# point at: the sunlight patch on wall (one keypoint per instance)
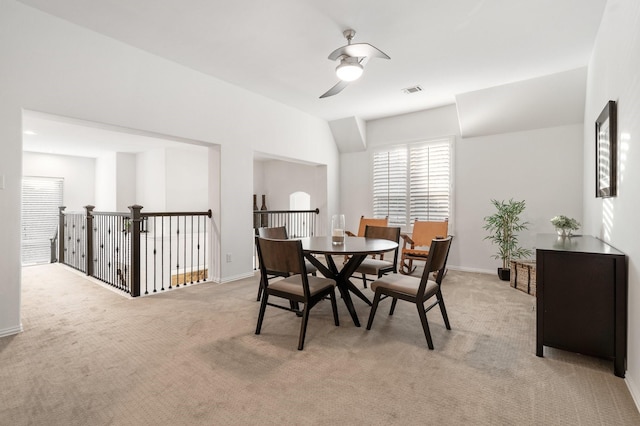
(607, 203)
(607, 218)
(623, 156)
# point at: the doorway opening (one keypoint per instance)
(112, 168)
(300, 201)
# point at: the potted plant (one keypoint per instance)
(565, 225)
(504, 226)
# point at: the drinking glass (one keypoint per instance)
(337, 229)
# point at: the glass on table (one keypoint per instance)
(337, 229)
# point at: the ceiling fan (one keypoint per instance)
(352, 57)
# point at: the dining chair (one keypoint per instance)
(381, 266)
(417, 290)
(286, 257)
(416, 246)
(274, 233)
(364, 222)
(280, 233)
(368, 221)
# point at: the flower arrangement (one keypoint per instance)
(565, 224)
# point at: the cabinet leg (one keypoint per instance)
(618, 366)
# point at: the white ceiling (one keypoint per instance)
(279, 48)
(53, 134)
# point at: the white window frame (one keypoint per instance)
(408, 225)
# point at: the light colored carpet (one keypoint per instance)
(88, 356)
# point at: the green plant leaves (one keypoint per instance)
(503, 227)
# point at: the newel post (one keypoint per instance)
(61, 234)
(88, 233)
(135, 249)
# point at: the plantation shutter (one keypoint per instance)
(429, 181)
(390, 185)
(41, 198)
(413, 182)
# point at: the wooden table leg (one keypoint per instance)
(347, 271)
(343, 285)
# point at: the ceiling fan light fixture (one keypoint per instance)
(349, 69)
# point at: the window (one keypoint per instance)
(412, 182)
(41, 198)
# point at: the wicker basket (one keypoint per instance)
(523, 276)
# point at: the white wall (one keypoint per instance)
(115, 182)
(613, 75)
(214, 196)
(186, 180)
(415, 126)
(539, 166)
(52, 66)
(139, 178)
(150, 180)
(106, 182)
(78, 174)
(259, 187)
(125, 181)
(356, 183)
(282, 178)
(278, 179)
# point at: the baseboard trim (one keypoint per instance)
(478, 270)
(236, 277)
(11, 331)
(633, 390)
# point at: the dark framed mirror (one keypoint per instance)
(606, 151)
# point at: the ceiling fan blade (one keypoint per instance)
(335, 89)
(358, 50)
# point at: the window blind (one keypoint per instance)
(390, 185)
(413, 182)
(41, 198)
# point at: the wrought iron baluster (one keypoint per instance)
(162, 256)
(127, 242)
(107, 246)
(146, 262)
(204, 255)
(155, 235)
(184, 252)
(177, 251)
(113, 263)
(170, 251)
(198, 251)
(100, 259)
(98, 225)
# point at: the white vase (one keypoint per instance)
(564, 232)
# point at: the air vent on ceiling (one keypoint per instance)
(414, 89)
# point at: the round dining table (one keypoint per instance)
(357, 249)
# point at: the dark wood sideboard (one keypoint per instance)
(581, 298)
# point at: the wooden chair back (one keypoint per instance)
(370, 221)
(391, 233)
(425, 231)
(281, 256)
(275, 233)
(436, 262)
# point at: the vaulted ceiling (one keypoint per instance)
(279, 48)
